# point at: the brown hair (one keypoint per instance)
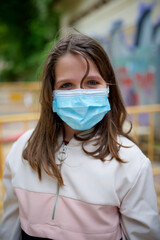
(42, 145)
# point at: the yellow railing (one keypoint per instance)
(133, 110)
(23, 95)
(25, 118)
(20, 86)
(150, 110)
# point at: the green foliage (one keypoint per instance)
(26, 30)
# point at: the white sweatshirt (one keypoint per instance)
(100, 200)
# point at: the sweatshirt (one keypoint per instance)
(99, 200)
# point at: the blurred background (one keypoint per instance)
(129, 30)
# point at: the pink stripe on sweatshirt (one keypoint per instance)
(74, 219)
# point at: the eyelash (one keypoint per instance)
(65, 85)
(68, 84)
(92, 82)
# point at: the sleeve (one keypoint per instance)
(10, 225)
(139, 212)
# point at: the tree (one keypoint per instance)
(27, 29)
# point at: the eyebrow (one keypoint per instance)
(61, 80)
(99, 77)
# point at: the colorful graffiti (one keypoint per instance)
(137, 66)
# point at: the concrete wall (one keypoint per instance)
(129, 30)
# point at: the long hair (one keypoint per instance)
(42, 145)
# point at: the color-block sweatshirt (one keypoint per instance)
(99, 201)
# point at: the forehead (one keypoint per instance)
(74, 64)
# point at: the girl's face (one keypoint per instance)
(70, 70)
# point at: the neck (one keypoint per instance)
(69, 132)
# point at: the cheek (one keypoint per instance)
(104, 84)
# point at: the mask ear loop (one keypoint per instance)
(108, 91)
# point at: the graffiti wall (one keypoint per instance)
(137, 65)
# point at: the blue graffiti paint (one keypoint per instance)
(137, 66)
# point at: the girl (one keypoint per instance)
(78, 175)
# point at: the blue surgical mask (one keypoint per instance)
(81, 109)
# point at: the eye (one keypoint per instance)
(66, 85)
(92, 82)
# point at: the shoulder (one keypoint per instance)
(135, 160)
(19, 145)
(130, 152)
(23, 139)
(136, 165)
(25, 136)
